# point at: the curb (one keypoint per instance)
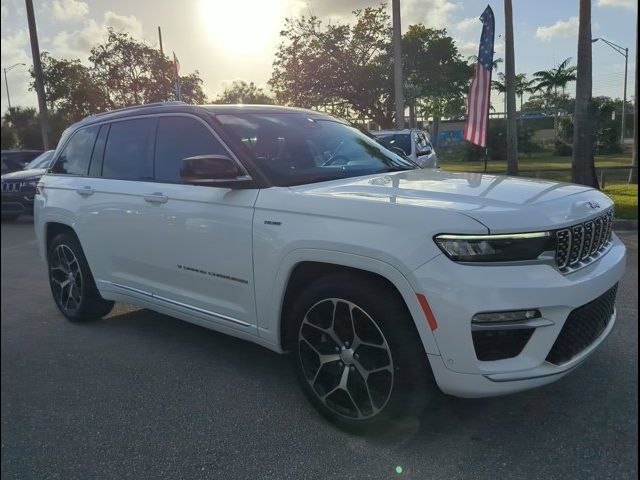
(623, 224)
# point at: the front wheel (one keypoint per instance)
(357, 353)
(71, 282)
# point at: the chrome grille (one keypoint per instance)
(581, 244)
(11, 186)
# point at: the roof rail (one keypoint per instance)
(135, 107)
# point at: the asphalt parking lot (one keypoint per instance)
(142, 395)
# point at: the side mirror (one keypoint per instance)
(424, 151)
(210, 169)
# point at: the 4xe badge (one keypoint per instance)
(593, 205)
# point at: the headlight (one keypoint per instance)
(496, 248)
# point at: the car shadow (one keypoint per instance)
(444, 416)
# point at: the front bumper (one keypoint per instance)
(17, 202)
(457, 292)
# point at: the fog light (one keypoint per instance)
(513, 316)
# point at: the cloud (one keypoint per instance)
(629, 4)
(69, 9)
(468, 24)
(125, 23)
(14, 51)
(78, 43)
(562, 28)
(431, 13)
(467, 49)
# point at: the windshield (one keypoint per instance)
(294, 148)
(41, 161)
(396, 140)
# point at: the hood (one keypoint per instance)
(24, 174)
(503, 204)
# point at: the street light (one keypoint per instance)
(6, 84)
(625, 53)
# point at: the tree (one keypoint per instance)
(555, 81)
(243, 92)
(523, 86)
(583, 168)
(25, 124)
(437, 73)
(70, 88)
(8, 137)
(130, 72)
(344, 65)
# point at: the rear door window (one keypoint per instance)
(128, 154)
(76, 154)
(179, 138)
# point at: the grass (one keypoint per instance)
(543, 160)
(625, 198)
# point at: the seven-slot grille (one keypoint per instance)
(581, 244)
(11, 186)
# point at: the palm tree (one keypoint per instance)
(582, 167)
(500, 86)
(553, 80)
(524, 86)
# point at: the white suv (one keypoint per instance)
(291, 229)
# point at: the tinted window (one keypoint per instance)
(396, 140)
(75, 156)
(129, 151)
(42, 161)
(179, 138)
(295, 148)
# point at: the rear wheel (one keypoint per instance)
(357, 353)
(71, 282)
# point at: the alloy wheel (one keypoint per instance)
(345, 359)
(66, 278)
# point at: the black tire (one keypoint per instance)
(71, 282)
(9, 217)
(409, 387)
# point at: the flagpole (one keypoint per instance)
(486, 147)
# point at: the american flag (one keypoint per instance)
(475, 129)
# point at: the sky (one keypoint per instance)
(228, 40)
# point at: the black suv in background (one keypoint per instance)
(14, 160)
(19, 187)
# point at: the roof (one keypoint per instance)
(168, 107)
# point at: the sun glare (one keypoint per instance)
(243, 27)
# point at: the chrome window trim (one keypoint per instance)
(246, 176)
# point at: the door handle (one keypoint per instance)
(85, 191)
(156, 197)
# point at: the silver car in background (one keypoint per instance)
(414, 144)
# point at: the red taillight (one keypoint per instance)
(39, 188)
(431, 319)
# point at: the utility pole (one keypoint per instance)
(510, 80)
(633, 175)
(160, 38)
(397, 64)
(6, 82)
(37, 73)
(625, 53)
